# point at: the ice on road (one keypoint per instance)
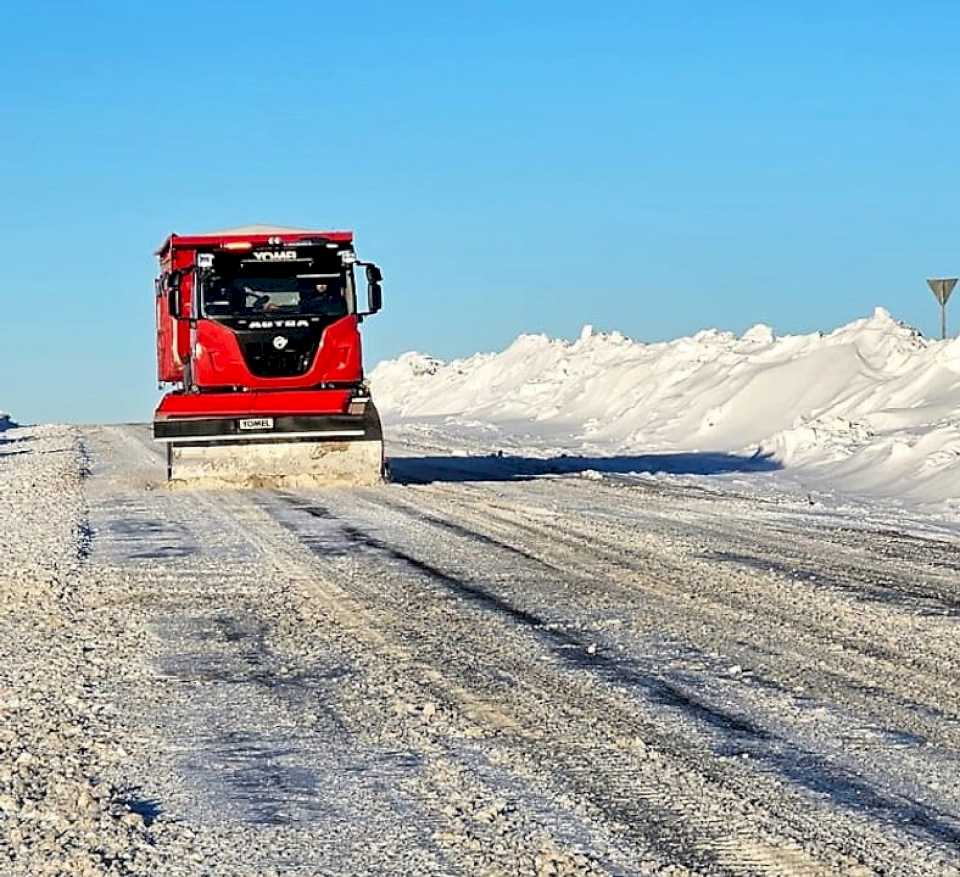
(477, 669)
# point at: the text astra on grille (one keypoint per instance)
(278, 324)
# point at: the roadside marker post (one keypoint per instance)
(941, 287)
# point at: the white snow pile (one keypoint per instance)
(872, 408)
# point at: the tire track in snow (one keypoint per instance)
(894, 808)
(762, 603)
(543, 717)
(737, 850)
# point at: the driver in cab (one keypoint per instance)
(322, 298)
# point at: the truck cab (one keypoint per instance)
(239, 313)
(258, 329)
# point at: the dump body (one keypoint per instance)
(258, 329)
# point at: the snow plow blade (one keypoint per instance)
(297, 452)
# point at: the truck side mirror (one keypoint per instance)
(173, 294)
(374, 295)
(374, 290)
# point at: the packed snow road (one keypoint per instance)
(469, 671)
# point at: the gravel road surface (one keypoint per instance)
(468, 671)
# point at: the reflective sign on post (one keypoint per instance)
(941, 287)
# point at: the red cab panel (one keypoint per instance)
(220, 363)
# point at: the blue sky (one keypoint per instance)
(514, 167)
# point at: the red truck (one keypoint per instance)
(258, 329)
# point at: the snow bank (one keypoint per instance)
(871, 407)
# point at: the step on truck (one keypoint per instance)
(258, 332)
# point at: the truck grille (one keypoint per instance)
(265, 361)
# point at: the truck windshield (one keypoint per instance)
(238, 289)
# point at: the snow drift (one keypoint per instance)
(871, 407)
